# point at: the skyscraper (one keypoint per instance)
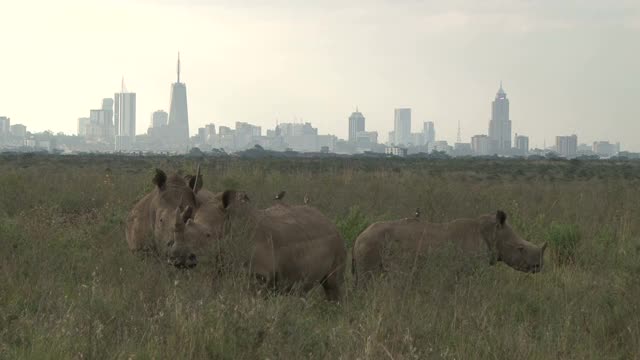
(500, 125)
(159, 119)
(522, 144)
(429, 132)
(402, 126)
(107, 107)
(356, 125)
(178, 114)
(5, 125)
(125, 120)
(567, 146)
(481, 145)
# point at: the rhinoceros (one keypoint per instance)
(290, 245)
(487, 234)
(161, 222)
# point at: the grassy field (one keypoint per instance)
(69, 287)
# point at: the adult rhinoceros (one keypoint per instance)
(487, 234)
(290, 245)
(161, 221)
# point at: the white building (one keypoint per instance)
(125, 120)
(395, 151)
(521, 143)
(567, 146)
(5, 125)
(481, 145)
(356, 125)
(500, 124)
(402, 126)
(19, 130)
(604, 148)
(429, 132)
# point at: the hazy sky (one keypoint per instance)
(567, 66)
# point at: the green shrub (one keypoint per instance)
(563, 241)
(352, 225)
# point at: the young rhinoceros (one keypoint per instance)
(289, 245)
(487, 234)
(161, 223)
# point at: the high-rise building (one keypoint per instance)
(500, 125)
(202, 136)
(125, 120)
(567, 146)
(402, 126)
(210, 132)
(159, 119)
(601, 148)
(522, 144)
(366, 138)
(481, 145)
(107, 107)
(429, 132)
(417, 139)
(178, 113)
(246, 133)
(83, 126)
(19, 130)
(356, 125)
(5, 125)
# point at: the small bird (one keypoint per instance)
(417, 214)
(280, 195)
(307, 200)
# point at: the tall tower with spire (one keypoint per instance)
(179, 114)
(356, 125)
(500, 125)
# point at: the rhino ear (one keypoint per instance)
(192, 182)
(160, 178)
(501, 217)
(228, 196)
(231, 196)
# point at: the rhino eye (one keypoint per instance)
(208, 235)
(170, 243)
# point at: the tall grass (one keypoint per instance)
(69, 288)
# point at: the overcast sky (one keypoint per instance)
(567, 66)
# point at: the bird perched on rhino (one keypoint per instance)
(280, 195)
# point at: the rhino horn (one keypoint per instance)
(186, 214)
(197, 180)
(179, 223)
(543, 247)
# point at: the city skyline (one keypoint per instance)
(442, 61)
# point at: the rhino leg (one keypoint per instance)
(333, 284)
(137, 233)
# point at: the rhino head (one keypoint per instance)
(507, 246)
(173, 209)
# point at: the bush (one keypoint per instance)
(352, 225)
(563, 241)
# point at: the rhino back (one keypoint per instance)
(412, 236)
(299, 242)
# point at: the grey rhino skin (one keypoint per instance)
(486, 235)
(291, 245)
(160, 223)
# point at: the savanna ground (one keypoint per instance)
(69, 287)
